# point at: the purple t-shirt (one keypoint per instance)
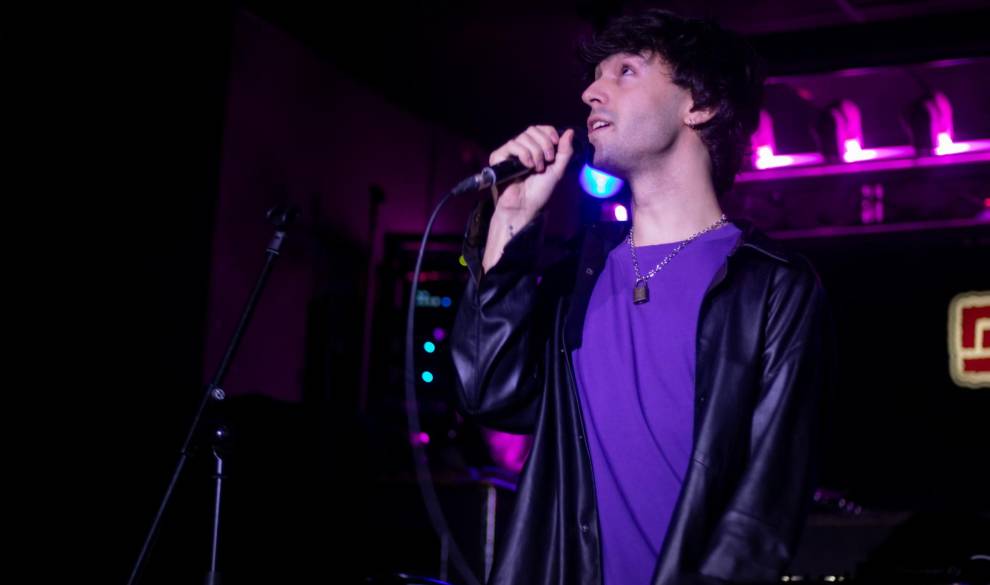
(635, 377)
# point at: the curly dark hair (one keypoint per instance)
(720, 69)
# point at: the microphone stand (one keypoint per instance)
(281, 216)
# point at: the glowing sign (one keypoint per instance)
(969, 339)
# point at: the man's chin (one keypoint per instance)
(607, 164)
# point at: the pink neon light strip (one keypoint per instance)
(864, 166)
(854, 152)
(947, 146)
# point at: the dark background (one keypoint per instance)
(178, 126)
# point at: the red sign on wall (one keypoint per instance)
(969, 339)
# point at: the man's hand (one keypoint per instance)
(539, 148)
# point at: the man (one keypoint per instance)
(670, 370)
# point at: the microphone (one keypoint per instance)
(511, 168)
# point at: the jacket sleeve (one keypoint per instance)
(756, 536)
(499, 334)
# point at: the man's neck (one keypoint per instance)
(673, 200)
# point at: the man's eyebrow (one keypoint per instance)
(641, 56)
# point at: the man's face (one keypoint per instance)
(643, 109)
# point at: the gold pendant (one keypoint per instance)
(641, 293)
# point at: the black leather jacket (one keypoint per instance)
(763, 361)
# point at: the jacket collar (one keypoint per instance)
(759, 241)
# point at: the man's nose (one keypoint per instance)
(593, 94)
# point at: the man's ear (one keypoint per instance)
(699, 116)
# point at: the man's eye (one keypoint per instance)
(626, 69)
